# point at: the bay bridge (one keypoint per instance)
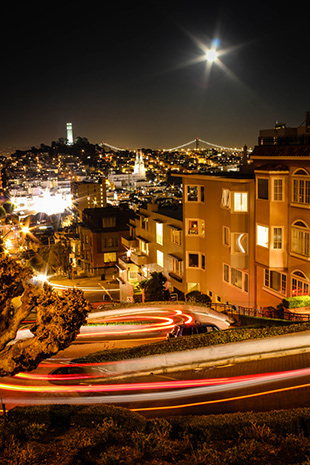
(196, 142)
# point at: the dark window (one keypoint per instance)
(262, 189)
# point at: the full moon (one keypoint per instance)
(211, 55)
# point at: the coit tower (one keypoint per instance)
(69, 134)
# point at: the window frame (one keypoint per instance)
(257, 236)
(243, 195)
(259, 179)
(301, 234)
(267, 281)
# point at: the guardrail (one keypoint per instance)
(269, 312)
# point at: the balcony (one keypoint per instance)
(129, 242)
(138, 258)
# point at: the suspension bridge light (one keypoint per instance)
(211, 55)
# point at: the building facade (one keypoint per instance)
(88, 195)
(219, 237)
(155, 245)
(99, 243)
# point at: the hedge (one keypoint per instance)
(108, 435)
(193, 342)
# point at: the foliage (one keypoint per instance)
(195, 342)
(105, 434)
(154, 288)
(297, 302)
(197, 296)
(58, 318)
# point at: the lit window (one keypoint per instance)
(192, 193)
(159, 233)
(176, 236)
(176, 266)
(144, 247)
(193, 227)
(195, 194)
(160, 258)
(240, 201)
(262, 236)
(196, 227)
(109, 257)
(193, 287)
(239, 243)
(300, 284)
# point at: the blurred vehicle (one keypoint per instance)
(191, 330)
(75, 375)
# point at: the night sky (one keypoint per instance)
(131, 75)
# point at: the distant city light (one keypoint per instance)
(51, 204)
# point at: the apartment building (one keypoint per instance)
(99, 240)
(155, 244)
(282, 213)
(247, 234)
(218, 216)
(87, 194)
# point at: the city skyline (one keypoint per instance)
(135, 77)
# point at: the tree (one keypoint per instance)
(154, 288)
(58, 318)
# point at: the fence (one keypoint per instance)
(269, 312)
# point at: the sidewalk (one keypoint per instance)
(84, 282)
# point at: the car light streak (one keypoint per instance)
(164, 384)
(218, 401)
(186, 387)
(104, 330)
(144, 397)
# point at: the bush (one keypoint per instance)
(297, 302)
(195, 342)
(197, 296)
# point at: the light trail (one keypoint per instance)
(219, 401)
(166, 324)
(213, 386)
(163, 384)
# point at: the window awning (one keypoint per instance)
(175, 257)
(142, 239)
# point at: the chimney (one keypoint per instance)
(245, 156)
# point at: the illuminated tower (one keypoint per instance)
(139, 165)
(69, 134)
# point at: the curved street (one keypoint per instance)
(271, 383)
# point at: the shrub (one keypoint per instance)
(197, 296)
(297, 302)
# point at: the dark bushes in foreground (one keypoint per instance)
(104, 434)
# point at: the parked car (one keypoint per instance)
(190, 330)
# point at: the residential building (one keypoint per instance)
(155, 244)
(99, 240)
(247, 234)
(218, 216)
(282, 213)
(87, 194)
